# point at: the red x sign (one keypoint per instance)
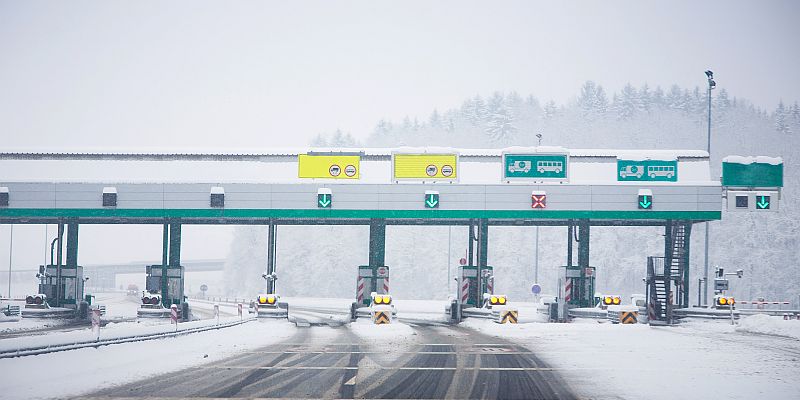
(539, 201)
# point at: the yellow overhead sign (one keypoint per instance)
(328, 166)
(424, 166)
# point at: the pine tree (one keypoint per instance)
(657, 99)
(675, 98)
(550, 110)
(600, 100)
(500, 126)
(587, 98)
(643, 98)
(781, 124)
(434, 120)
(627, 103)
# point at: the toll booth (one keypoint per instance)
(473, 283)
(64, 292)
(371, 279)
(166, 280)
(578, 286)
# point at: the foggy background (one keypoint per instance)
(176, 75)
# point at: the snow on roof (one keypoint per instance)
(293, 151)
(750, 160)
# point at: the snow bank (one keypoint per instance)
(74, 372)
(769, 325)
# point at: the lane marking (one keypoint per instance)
(483, 352)
(298, 367)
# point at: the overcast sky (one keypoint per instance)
(276, 73)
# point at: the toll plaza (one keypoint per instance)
(530, 186)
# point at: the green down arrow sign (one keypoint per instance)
(763, 202)
(324, 200)
(431, 200)
(645, 202)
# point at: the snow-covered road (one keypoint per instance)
(699, 359)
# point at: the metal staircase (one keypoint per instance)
(668, 276)
(659, 306)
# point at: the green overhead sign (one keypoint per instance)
(535, 166)
(755, 174)
(647, 170)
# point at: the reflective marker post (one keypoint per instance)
(173, 311)
(96, 323)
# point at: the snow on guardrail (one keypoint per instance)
(123, 333)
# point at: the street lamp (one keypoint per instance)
(536, 254)
(711, 85)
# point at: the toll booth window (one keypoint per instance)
(741, 201)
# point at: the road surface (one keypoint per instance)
(444, 362)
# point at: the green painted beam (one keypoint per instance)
(23, 213)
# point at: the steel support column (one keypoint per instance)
(377, 247)
(483, 243)
(570, 234)
(583, 261)
(471, 244)
(686, 259)
(165, 245)
(271, 257)
(59, 261)
(72, 244)
(174, 244)
(377, 242)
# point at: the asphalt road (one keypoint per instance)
(445, 362)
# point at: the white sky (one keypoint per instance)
(277, 73)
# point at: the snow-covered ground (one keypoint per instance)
(698, 359)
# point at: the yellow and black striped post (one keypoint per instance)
(628, 317)
(381, 317)
(508, 316)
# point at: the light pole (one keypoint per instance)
(711, 85)
(10, 253)
(536, 254)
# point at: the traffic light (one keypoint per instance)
(611, 300)
(153, 299)
(267, 299)
(496, 300)
(37, 299)
(722, 301)
(720, 272)
(381, 299)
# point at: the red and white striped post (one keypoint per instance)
(464, 291)
(360, 290)
(568, 291)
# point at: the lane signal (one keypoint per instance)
(324, 198)
(762, 202)
(538, 199)
(645, 202)
(645, 199)
(431, 199)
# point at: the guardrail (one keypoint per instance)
(45, 349)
